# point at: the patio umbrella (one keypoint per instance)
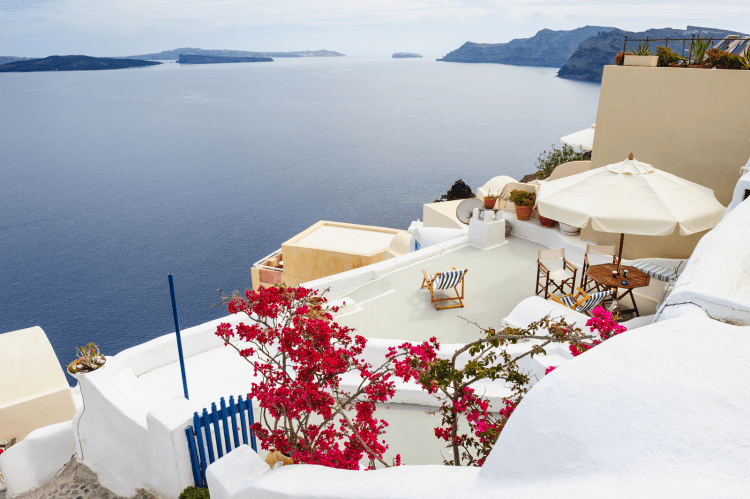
(630, 197)
(583, 139)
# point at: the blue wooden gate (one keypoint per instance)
(205, 435)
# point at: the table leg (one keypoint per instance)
(632, 297)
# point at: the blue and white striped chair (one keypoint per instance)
(582, 302)
(655, 271)
(445, 281)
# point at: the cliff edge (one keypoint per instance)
(547, 48)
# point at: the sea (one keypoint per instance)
(111, 180)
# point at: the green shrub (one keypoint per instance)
(195, 493)
(522, 198)
(723, 59)
(548, 161)
(667, 57)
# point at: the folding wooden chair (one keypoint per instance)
(582, 302)
(445, 281)
(558, 279)
(600, 255)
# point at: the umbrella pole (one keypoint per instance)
(619, 256)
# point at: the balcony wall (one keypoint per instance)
(694, 123)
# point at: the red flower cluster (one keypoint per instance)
(603, 323)
(300, 354)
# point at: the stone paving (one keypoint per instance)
(76, 481)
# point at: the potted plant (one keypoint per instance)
(547, 222)
(489, 200)
(524, 202)
(89, 359)
(641, 57)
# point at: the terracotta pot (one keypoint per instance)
(489, 202)
(524, 212)
(547, 222)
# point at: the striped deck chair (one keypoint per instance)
(582, 302)
(445, 281)
(655, 271)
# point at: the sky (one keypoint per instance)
(39, 28)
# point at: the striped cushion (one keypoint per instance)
(655, 271)
(568, 301)
(449, 279)
(593, 301)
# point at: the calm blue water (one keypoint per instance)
(113, 179)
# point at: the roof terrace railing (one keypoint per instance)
(733, 44)
(262, 262)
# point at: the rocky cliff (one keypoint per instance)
(588, 61)
(546, 48)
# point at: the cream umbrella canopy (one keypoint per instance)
(583, 139)
(630, 197)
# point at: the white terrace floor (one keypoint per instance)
(394, 306)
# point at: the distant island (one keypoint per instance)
(215, 59)
(72, 63)
(405, 55)
(171, 55)
(547, 48)
(581, 54)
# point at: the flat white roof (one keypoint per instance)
(334, 238)
(395, 307)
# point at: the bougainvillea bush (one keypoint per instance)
(299, 353)
(488, 358)
(451, 380)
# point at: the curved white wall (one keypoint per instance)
(658, 412)
(38, 458)
(716, 280)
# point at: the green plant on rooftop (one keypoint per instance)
(642, 49)
(522, 198)
(89, 359)
(698, 48)
(548, 161)
(745, 59)
(716, 58)
(300, 354)
(667, 57)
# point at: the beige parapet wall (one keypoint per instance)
(33, 389)
(694, 123)
(306, 259)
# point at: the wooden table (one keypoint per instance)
(602, 275)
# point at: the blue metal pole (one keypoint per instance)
(177, 331)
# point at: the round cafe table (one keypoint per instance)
(602, 275)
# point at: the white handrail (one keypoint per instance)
(261, 262)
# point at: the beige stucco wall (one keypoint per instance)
(694, 123)
(442, 215)
(33, 389)
(303, 263)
